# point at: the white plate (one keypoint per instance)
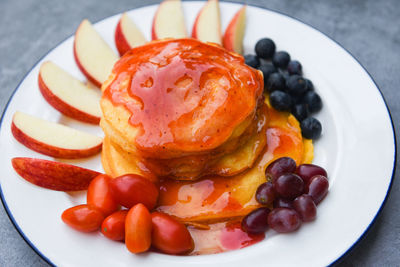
(357, 148)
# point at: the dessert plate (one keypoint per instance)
(357, 147)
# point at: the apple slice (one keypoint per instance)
(127, 35)
(92, 54)
(207, 26)
(68, 95)
(53, 175)
(169, 21)
(234, 33)
(53, 139)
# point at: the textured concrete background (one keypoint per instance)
(369, 29)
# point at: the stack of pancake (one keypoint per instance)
(181, 109)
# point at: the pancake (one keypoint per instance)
(215, 198)
(182, 105)
(227, 165)
(181, 95)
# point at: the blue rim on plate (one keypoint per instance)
(362, 236)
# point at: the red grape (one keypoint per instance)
(265, 193)
(279, 167)
(289, 185)
(305, 207)
(284, 220)
(283, 203)
(307, 171)
(318, 188)
(256, 222)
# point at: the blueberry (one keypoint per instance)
(296, 85)
(252, 61)
(265, 48)
(300, 111)
(281, 59)
(275, 81)
(297, 99)
(313, 101)
(267, 69)
(310, 85)
(311, 128)
(280, 100)
(285, 74)
(294, 67)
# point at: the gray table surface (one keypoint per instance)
(369, 29)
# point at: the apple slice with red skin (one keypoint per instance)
(207, 26)
(234, 33)
(127, 35)
(68, 95)
(53, 139)
(53, 175)
(92, 54)
(169, 21)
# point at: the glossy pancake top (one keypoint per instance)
(184, 95)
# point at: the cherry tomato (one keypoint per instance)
(83, 218)
(99, 195)
(113, 227)
(169, 235)
(138, 229)
(131, 189)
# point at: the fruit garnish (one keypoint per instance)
(169, 235)
(83, 218)
(294, 67)
(289, 185)
(207, 26)
(294, 197)
(53, 139)
(68, 95)
(275, 82)
(256, 222)
(234, 33)
(169, 21)
(311, 128)
(127, 35)
(312, 100)
(131, 189)
(92, 54)
(281, 59)
(265, 193)
(53, 175)
(252, 61)
(296, 85)
(287, 89)
(113, 226)
(305, 207)
(265, 48)
(280, 166)
(99, 195)
(280, 100)
(284, 220)
(308, 171)
(318, 188)
(138, 229)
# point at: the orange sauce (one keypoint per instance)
(195, 85)
(205, 196)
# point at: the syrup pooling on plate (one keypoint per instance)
(203, 92)
(220, 237)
